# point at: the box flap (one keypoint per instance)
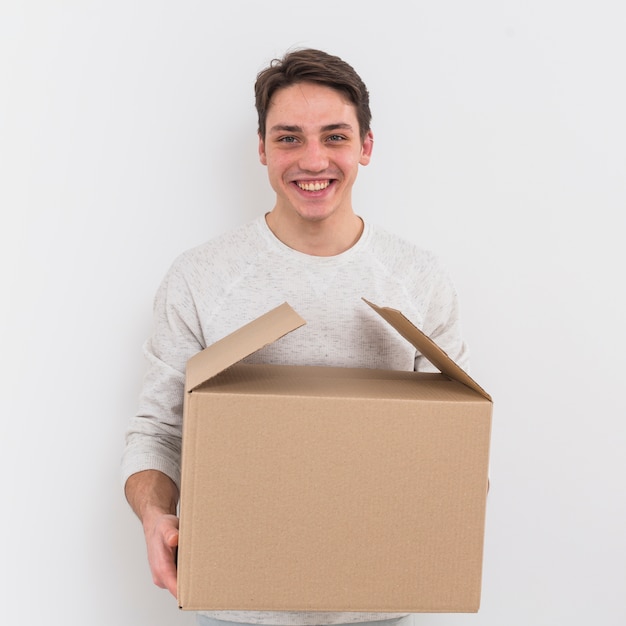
(427, 347)
(242, 343)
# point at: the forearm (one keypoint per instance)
(154, 497)
(151, 493)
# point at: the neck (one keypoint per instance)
(317, 238)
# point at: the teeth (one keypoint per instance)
(317, 186)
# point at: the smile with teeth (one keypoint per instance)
(317, 185)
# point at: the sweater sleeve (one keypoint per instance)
(154, 434)
(442, 323)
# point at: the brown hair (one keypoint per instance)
(315, 66)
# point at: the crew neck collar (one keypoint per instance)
(285, 249)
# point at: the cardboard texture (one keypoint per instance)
(331, 489)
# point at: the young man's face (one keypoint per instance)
(313, 150)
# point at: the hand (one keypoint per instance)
(153, 497)
(161, 531)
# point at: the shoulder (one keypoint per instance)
(399, 254)
(213, 265)
(228, 252)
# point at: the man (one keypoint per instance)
(311, 250)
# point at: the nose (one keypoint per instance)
(313, 157)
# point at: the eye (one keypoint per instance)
(287, 139)
(336, 138)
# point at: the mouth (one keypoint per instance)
(313, 185)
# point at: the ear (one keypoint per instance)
(366, 148)
(262, 154)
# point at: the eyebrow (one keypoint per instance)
(298, 129)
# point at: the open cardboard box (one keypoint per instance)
(331, 489)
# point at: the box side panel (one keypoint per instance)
(334, 505)
(189, 482)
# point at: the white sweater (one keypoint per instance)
(225, 283)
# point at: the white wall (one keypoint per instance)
(127, 134)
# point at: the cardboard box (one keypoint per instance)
(330, 489)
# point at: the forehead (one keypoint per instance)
(310, 103)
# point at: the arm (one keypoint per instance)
(153, 497)
(151, 456)
(441, 321)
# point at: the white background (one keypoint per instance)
(127, 134)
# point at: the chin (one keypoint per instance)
(315, 216)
